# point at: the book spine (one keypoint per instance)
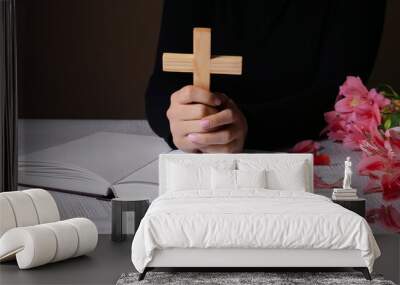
(345, 195)
(344, 191)
(344, 198)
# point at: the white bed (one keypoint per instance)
(194, 223)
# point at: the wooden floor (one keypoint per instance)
(103, 266)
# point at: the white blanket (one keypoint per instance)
(250, 219)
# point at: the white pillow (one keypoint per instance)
(282, 174)
(222, 179)
(251, 178)
(185, 174)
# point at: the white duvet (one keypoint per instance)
(250, 219)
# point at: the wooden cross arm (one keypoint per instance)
(182, 62)
(201, 63)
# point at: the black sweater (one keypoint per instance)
(295, 56)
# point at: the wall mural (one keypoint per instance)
(364, 124)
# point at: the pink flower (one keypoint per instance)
(391, 185)
(392, 143)
(367, 117)
(319, 183)
(306, 146)
(378, 99)
(356, 111)
(310, 146)
(376, 136)
(384, 175)
(336, 126)
(388, 216)
(372, 166)
(354, 137)
(356, 121)
(355, 96)
(351, 104)
(353, 86)
(364, 114)
(356, 106)
(374, 142)
(373, 185)
(370, 112)
(322, 159)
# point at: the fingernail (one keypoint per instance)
(192, 137)
(205, 124)
(217, 101)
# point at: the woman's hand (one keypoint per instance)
(201, 121)
(223, 132)
(188, 106)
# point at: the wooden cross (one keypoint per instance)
(201, 63)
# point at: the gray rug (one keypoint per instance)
(243, 278)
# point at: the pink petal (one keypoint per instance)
(306, 146)
(371, 164)
(378, 98)
(343, 106)
(353, 86)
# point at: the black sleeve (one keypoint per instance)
(349, 46)
(175, 36)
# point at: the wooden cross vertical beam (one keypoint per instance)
(201, 57)
(201, 63)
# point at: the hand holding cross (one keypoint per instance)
(201, 121)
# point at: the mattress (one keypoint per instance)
(250, 218)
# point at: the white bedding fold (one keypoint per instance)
(250, 219)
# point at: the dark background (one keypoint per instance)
(93, 58)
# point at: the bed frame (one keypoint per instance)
(246, 259)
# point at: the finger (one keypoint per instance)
(193, 94)
(183, 128)
(185, 145)
(218, 137)
(190, 112)
(224, 117)
(227, 148)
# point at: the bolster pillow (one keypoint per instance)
(40, 244)
(26, 208)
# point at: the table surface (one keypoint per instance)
(102, 266)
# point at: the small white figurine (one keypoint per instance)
(347, 174)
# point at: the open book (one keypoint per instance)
(100, 164)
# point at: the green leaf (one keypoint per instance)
(388, 91)
(395, 120)
(387, 124)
